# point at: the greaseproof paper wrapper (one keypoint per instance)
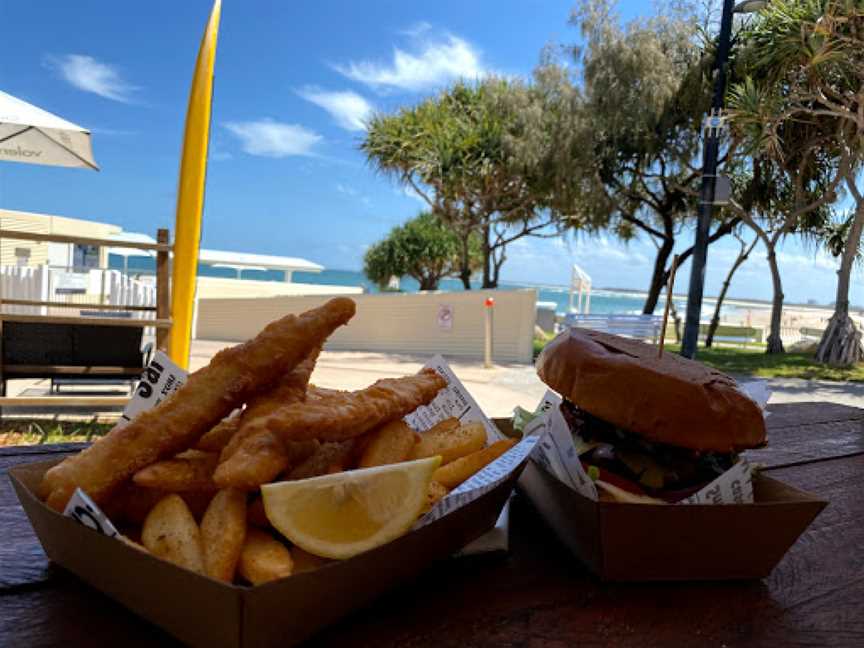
(84, 511)
(455, 401)
(558, 455)
(159, 380)
(452, 401)
(482, 482)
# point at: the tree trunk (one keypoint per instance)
(465, 263)
(428, 283)
(676, 318)
(840, 345)
(715, 321)
(487, 256)
(658, 277)
(775, 342)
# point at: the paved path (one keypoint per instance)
(497, 390)
(500, 389)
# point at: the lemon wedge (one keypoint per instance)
(347, 513)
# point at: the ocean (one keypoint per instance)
(602, 301)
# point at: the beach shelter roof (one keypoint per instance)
(219, 258)
(247, 260)
(35, 136)
(131, 237)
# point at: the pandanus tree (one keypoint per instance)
(423, 248)
(805, 62)
(469, 154)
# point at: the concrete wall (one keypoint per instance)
(394, 323)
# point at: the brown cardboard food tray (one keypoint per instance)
(639, 542)
(204, 612)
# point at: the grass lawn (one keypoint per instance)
(778, 365)
(753, 361)
(38, 431)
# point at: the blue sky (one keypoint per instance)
(293, 84)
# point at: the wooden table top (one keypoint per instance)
(537, 595)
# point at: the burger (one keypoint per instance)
(647, 428)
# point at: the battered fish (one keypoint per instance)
(290, 389)
(220, 434)
(210, 394)
(180, 474)
(255, 456)
(344, 416)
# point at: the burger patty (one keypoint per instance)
(656, 467)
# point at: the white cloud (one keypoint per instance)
(349, 191)
(819, 260)
(434, 64)
(88, 74)
(348, 108)
(416, 29)
(269, 138)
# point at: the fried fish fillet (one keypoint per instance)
(344, 416)
(254, 456)
(291, 388)
(220, 434)
(330, 456)
(180, 474)
(210, 394)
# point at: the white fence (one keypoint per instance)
(87, 290)
(24, 282)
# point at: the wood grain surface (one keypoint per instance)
(537, 595)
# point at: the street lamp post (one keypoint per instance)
(709, 176)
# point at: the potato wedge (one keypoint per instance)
(264, 558)
(450, 442)
(437, 491)
(170, 532)
(223, 530)
(389, 444)
(456, 472)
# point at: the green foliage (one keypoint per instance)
(801, 107)
(423, 248)
(485, 158)
(645, 87)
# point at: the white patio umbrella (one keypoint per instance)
(35, 136)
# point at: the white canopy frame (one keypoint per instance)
(580, 287)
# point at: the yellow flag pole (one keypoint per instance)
(190, 194)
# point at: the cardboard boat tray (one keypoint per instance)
(204, 612)
(639, 542)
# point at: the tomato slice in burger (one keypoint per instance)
(615, 480)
